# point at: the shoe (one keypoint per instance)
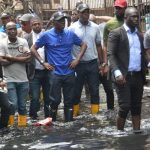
(94, 108)
(22, 120)
(76, 110)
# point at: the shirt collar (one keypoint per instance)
(11, 42)
(59, 33)
(128, 29)
(81, 25)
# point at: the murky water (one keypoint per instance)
(87, 132)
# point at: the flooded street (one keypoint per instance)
(89, 132)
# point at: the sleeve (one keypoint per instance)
(41, 41)
(98, 36)
(26, 46)
(77, 40)
(147, 40)
(105, 34)
(112, 47)
(2, 49)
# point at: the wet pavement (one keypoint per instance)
(87, 132)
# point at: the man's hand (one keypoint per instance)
(2, 84)
(48, 66)
(120, 80)
(24, 54)
(74, 63)
(103, 70)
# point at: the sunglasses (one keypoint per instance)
(24, 23)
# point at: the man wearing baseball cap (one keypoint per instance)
(87, 70)
(58, 43)
(117, 21)
(25, 25)
(5, 18)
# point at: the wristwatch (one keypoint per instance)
(41, 62)
(104, 64)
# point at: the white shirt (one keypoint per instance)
(41, 52)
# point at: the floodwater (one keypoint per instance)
(87, 132)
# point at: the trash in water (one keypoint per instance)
(45, 122)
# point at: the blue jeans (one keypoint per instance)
(17, 95)
(40, 79)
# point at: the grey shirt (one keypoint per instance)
(15, 72)
(90, 35)
(147, 39)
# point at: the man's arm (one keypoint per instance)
(20, 58)
(4, 61)
(104, 18)
(147, 45)
(112, 47)
(34, 49)
(75, 62)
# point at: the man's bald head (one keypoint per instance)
(11, 31)
(132, 18)
(129, 11)
(10, 24)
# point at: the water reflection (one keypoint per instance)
(88, 132)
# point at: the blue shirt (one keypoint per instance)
(3, 29)
(58, 46)
(135, 50)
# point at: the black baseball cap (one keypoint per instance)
(82, 7)
(58, 15)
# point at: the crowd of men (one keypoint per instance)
(61, 60)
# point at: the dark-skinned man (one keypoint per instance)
(58, 43)
(14, 53)
(127, 63)
(37, 74)
(117, 21)
(88, 67)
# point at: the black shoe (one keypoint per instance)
(53, 114)
(68, 113)
(33, 117)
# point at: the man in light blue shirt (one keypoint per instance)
(126, 55)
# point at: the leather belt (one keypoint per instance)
(89, 61)
(133, 73)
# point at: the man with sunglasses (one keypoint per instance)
(25, 25)
(58, 43)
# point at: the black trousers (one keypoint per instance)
(130, 95)
(107, 84)
(5, 110)
(87, 71)
(61, 84)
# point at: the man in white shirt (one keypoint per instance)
(37, 74)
